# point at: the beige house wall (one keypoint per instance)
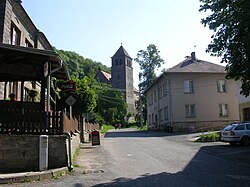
(205, 98)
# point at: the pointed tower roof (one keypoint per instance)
(121, 52)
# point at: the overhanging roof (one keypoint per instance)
(19, 63)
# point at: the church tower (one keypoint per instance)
(122, 76)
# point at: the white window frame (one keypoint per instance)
(221, 86)
(188, 86)
(190, 111)
(223, 110)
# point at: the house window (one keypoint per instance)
(15, 35)
(152, 117)
(188, 86)
(221, 86)
(166, 113)
(27, 43)
(223, 110)
(160, 92)
(190, 111)
(161, 114)
(151, 99)
(165, 89)
(155, 95)
(149, 119)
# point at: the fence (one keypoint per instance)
(26, 118)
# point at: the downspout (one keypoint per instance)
(70, 158)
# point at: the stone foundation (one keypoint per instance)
(200, 126)
(20, 153)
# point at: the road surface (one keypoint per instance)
(129, 157)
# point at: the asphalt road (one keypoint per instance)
(137, 158)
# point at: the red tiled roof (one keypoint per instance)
(106, 74)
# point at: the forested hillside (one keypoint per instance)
(80, 66)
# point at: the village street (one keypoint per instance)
(129, 157)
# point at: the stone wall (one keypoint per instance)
(200, 126)
(21, 152)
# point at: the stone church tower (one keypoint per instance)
(122, 76)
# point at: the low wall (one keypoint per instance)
(199, 126)
(20, 153)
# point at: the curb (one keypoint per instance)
(32, 176)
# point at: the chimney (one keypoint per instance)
(193, 56)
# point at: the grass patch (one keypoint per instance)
(75, 155)
(105, 128)
(211, 137)
(143, 128)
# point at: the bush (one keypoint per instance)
(105, 128)
(211, 137)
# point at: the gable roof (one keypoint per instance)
(121, 52)
(190, 65)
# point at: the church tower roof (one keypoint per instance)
(121, 52)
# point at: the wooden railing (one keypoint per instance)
(26, 118)
(69, 125)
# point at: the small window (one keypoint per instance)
(221, 86)
(188, 86)
(155, 95)
(27, 43)
(240, 127)
(166, 113)
(223, 110)
(161, 114)
(165, 89)
(160, 92)
(149, 119)
(190, 111)
(15, 35)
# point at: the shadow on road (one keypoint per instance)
(218, 165)
(138, 134)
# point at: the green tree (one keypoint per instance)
(80, 66)
(110, 104)
(149, 61)
(84, 95)
(230, 21)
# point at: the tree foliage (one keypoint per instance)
(230, 21)
(84, 95)
(111, 104)
(80, 66)
(148, 60)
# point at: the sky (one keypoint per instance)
(96, 28)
